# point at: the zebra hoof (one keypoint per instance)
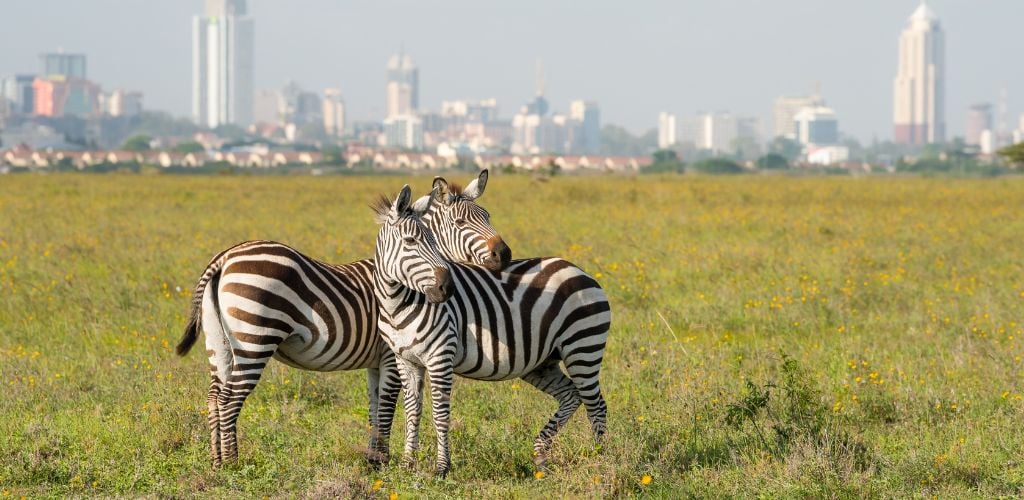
(442, 472)
(408, 462)
(377, 459)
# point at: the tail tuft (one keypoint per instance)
(190, 335)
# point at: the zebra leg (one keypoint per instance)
(550, 379)
(213, 419)
(412, 383)
(373, 455)
(240, 383)
(389, 386)
(441, 374)
(584, 374)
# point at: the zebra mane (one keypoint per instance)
(381, 208)
(455, 189)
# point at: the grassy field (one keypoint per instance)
(773, 336)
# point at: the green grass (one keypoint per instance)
(899, 301)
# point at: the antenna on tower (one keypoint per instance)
(540, 77)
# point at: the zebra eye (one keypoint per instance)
(409, 240)
(460, 221)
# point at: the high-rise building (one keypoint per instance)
(222, 64)
(58, 96)
(122, 103)
(334, 113)
(404, 131)
(979, 119)
(717, 132)
(403, 87)
(266, 107)
(585, 127)
(817, 126)
(786, 107)
(919, 90)
(666, 130)
(61, 64)
(17, 91)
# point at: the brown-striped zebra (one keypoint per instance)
(263, 299)
(521, 322)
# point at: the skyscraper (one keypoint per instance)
(919, 90)
(222, 64)
(786, 108)
(585, 123)
(667, 136)
(61, 64)
(334, 113)
(403, 87)
(979, 119)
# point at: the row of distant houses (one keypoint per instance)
(26, 158)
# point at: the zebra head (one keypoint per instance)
(462, 227)
(407, 253)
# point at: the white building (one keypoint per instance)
(584, 127)
(786, 107)
(122, 103)
(816, 125)
(919, 90)
(403, 86)
(404, 131)
(334, 113)
(222, 64)
(717, 132)
(666, 130)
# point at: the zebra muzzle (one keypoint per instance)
(442, 288)
(499, 254)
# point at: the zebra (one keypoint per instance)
(263, 299)
(520, 322)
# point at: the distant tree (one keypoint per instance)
(1014, 154)
(788, 148)
(230, 132)
(616, 140)
(772, 161)
(333, 155)
(664, 161)
(185, 147)
(137, 143)
(717, 166)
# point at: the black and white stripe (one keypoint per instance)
(263, 299)
(521, 322)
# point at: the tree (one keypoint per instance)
(788, 148)
(772, 161)
(333, 155)
(665, 161)
(185, 147)
(1014, 154)
(616, 140)
(717, 166)
(137, 143)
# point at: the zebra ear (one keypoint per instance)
(441, 190)
(476, 188)
(401, 204)
(422, 205)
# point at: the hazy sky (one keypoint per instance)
(634, 58)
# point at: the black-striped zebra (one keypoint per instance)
(263, 299)
(520, 322)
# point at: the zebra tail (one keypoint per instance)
(195, 314)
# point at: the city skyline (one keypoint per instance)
(632, 89)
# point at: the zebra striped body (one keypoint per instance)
(520, 322)
(263, 299)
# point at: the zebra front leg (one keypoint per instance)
(412, 383)
(441, 375)
(550, 379)
(389, 384)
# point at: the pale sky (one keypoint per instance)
(635, 58)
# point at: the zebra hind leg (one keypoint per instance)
(550, 379)
(584, 374)
(240, 383)
(213, 419)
